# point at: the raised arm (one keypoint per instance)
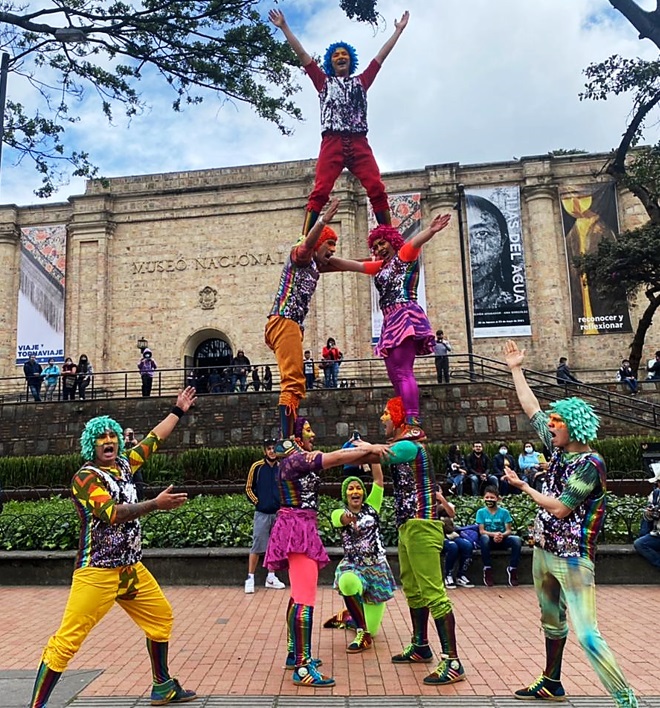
(389, 45)
(361, 453)
(278, 19)
(514, 358)
(184, 401)
(305, 251)
(337, 265)
(438, 223)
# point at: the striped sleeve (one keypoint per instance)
(139, 454)
(249, 483)
(92, 494)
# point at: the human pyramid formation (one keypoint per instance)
(571, 505)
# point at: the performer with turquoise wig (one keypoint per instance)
(108, 566)
(569, 520)
(343, 98)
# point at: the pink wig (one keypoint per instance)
(387, 233)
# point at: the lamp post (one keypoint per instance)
(4, 70)
(466, 299)
(142, 344)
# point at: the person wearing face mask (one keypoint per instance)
(503, 458)
(84, 377)
(532, 466)
(567, 525)
(295, 544)
(69, 370)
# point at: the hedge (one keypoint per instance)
(226, 521)
(232, 463)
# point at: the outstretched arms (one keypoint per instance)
(514, 358)
(389, 45)
(438, 224)
(184, 401)
(278, 19)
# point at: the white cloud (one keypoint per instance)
(470, 81)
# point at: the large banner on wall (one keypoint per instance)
(41, 295)
(589, 215)
(497, 262)
(406, 212)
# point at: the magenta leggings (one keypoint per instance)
(399, 363)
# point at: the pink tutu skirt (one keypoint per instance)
(295, 531)
(406, 319)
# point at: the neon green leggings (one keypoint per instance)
(349, 584)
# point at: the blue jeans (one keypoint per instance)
(632, 384)
(648, 546)
(453, 550)
(35, 390)
(458, 482)
(512, 543)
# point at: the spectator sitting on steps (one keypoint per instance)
(564, 375)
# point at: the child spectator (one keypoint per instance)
(308, 370)
(496, 533)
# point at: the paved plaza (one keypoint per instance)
(230, 647)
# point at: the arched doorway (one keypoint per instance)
(207, 365)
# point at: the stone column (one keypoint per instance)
(10, 258)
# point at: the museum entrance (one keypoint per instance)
(208, 368)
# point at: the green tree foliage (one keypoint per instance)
(65, 50)
(632, 261)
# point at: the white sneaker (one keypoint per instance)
(464, 582)
(274, 584)
(249, 585)
(449, 582)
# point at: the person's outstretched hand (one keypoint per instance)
(167, 499)
(401, 24)
(513, 356)
(439, 222)
(186, 398)
(277, 18)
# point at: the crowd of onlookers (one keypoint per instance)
(67, 382)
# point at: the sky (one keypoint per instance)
(470, 81)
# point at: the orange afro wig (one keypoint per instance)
(397, 413)
(327, 234)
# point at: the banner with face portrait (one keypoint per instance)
(589, 216)
(406, 210)
(497, 262)
(41, 294)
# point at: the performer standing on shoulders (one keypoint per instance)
(567, 525)
(406, 331)
(108, 565)
(344, 128)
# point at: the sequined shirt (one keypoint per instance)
(299, 481)
(343, 99)
(362, 541)
(95, 493)
(297, 285)
(578, 480)
(413, 482)
(397, 282)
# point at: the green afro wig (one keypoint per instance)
(344, 487)
(580, 418)
(93, 430)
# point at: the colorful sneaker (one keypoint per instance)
(449, 582)
(342, 620)
(275, 583)
(411, 432)
(290, 663)
(625, 699)
(489, 581)
(249, 586)
(309, 675)
(361, 642)
(170, 692)
(447, 671)
(414, 654)
(513, 576)
(543, 689)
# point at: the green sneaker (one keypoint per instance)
(448, 671)
(170, 692)
(361, 642)
(543, 689)
(414, 654)
(625, 699)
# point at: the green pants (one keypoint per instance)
(420, 545)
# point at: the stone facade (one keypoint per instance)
(180, 258)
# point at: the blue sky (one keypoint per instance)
(470, 81)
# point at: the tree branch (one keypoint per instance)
(646, 23)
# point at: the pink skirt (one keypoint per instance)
(295, 531)
(406, 319)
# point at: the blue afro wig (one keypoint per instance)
(580, 418)
(93, 430)
(327, 59)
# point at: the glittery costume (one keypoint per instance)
(108, 569)
(344, 139)
(406, 331)
(563, 564)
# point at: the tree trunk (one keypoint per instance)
(647, 23)
(637, 346)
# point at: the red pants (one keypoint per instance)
(354, 153)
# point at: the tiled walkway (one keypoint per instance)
(228, 644)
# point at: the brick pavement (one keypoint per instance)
(227, 643)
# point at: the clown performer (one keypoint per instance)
(363, 576)
(406, 331)
(421, 538)
(108, 566)
(568, 522)
(343, 100)
(312, 255)
(295, 542)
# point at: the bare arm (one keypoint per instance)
(336, 265)
(354, 455)
(184, 401)
(389, 45)
(514, 359)
(309, 244)
(165, 500)
(438, 223)
(278, 19)
(449, 508)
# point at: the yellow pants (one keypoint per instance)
(93, 592)
(285, 338)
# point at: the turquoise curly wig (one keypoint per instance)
(581, 420)
(327, 59)
(93, 430)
